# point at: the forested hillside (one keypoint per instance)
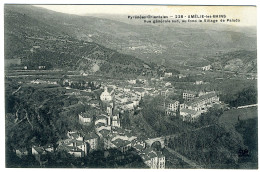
(174, 43)
(38, 43)
(243, 61)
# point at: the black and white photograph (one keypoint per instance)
(130, 86)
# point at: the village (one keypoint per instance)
(94, 90)
(105, 112)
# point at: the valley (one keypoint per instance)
(95, 91)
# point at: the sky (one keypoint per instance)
(246, 14)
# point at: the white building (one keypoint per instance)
(198, 82)
(21, 152)
(92, 140)
(85, 118)
(202, 102)
(153, 159)
(76, 148)
(205, 68)
(168, 84)
(189, 115)
(133, 81)
(188, 95)
(169, 74)
(116, 121)
(109, 110)
(107, 95)
(41, 67)
(172, 106)
(183, 105)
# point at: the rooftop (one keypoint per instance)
(109, 89)
(120, 143)
(74, 135)
(89, 113)
(201, 98)
(189, 111)
(102, 116)
(40, 150)
(190, 92)
(148, 154)
(104, 132)
(139, 147)
(170, 101)
(118, 130)
(90, 136)
(99, 124)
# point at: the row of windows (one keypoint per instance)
(188, 95)
(173, 105)
(211, 100)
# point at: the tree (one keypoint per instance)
(39, 118)
(125, 120)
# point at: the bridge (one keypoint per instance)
(160, 139)
(163, 145)
(157, 139)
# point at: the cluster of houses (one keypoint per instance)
(77, 144)
(153, 159)
(39, 81)
(125, 99)
(123, 140)
(128, 98)
(114, 136)
(108, 130)
(107, 133)
(194, 105)
(69, 83)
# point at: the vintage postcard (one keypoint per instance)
(130, 86)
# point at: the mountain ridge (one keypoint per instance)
(149, 42)
(42, 44)
(152, 44)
